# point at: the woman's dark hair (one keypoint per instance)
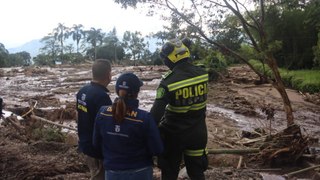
(119, 107)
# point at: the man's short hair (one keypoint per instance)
(99, 69)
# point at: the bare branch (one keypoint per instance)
(195, 6)
(222, 47)
(258, 27)
(221, 5)
(236, 2)
(244, 23)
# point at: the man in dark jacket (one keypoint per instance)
(89, 100)
(180, 110)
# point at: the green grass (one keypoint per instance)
(302, 80)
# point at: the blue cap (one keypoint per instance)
(129, 82)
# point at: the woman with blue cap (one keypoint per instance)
(128, 136)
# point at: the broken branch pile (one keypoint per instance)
(285, 147)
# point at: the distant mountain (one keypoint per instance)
(31, 47)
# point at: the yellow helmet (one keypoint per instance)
(175, 50)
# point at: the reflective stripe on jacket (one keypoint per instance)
(181, 98)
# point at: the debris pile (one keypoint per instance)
(283, 148)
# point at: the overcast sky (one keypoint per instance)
(25, 20)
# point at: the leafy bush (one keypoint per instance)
(48, 134)
(215, 63)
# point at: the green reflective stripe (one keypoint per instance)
(198, 152)
(183, 109)
(188, 82)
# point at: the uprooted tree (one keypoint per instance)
(202, 17)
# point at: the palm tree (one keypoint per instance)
(77, 34)
(112, 40)
(95, 38)
(61, 33)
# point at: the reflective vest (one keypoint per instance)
(184, 90)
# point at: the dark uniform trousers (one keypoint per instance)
(189, 146)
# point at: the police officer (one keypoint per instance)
(180, 110)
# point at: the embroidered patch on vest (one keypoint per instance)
(160, 92)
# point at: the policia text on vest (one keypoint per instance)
(190, 94)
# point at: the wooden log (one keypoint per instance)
(301, 171)
(246, 141)
(268, 169)
(233, 151)
(223, 143)
(30, 110)
(53, 123)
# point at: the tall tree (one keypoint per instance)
(111, 40)
(61, 33)
(134, 44)
(77, 34)
(295, 26)
(95, 38)
(25, 57)
(51, 46)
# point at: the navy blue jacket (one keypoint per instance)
(90, 98)
(129, 145)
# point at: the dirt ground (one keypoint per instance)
(235, 106)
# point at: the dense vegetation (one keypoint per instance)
(16, 59)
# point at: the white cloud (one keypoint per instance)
(24, 20)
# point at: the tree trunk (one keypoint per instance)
(95, 53)
(278, 84)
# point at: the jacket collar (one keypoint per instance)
(99, 85)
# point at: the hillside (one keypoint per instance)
(31, 47)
